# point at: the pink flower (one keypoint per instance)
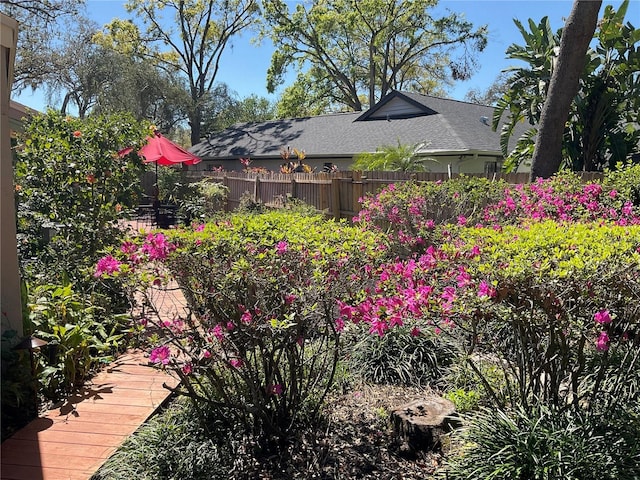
(107, 266)
(415, 331)
(160, 355)
(463, 279)
(206, 354)
(289, 298)
(449, 294)
(199, 228)
(602, 317)
(462, 220)
(281, 247)
(128, 247)
(339, 324)
(187, 369)
(378, 326)
(157, 247)
(246, 317)
(217, 332)
(236, 362)
(602, 344)
(485, 290)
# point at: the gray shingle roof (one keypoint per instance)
(454, 127)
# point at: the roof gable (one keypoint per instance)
(394, 106)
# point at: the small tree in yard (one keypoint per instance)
(71, 183)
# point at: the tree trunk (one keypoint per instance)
(195, 121)
(565, 81)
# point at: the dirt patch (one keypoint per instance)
(357, 442)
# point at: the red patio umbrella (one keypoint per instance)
(163, 151)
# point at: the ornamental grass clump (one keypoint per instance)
(261, 341)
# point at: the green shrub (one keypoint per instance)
(465, 401)
(413, 212)
(80, 337)
(625, 180)
(72, 188)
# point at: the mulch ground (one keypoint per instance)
(356, 443)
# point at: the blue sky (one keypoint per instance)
(244, 65)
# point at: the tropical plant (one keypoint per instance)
(80, 336)
(600, 130)
(399, 158)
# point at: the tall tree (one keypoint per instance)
(40, 35)
(196, 33)
(492, 94)
(353, 52)
(565, 82)
(224, 108)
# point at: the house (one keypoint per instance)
(10, 302)
(457, 135)
(17, 114)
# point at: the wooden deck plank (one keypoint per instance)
(71, 441)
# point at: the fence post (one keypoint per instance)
(256, 189)
(357, 191)
(324, 203)
(294, 187)
(225, 182)
(335, 192)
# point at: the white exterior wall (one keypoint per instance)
(10, 302)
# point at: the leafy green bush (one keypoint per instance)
(464, 400)
(80, 337)
(72, 187)
(412, 212)
(625, 180)
(541, 303)
(203, 201)
(546, 443)
(262, 342)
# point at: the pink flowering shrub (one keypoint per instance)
(261, 340)
(419, 215)
(553, 304)
(412, 213)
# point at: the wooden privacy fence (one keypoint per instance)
(336, 194)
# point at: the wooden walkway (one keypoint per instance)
(71, 442)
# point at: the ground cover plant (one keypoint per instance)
(520, 304)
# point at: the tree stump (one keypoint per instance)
(420, 424)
